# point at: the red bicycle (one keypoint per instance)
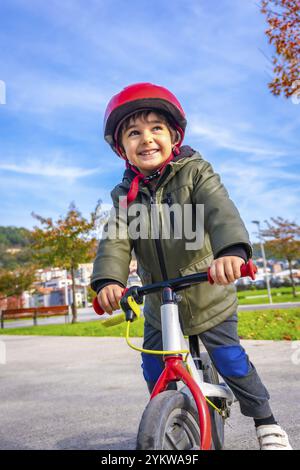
(194, 416)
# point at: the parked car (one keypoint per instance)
(260, 284)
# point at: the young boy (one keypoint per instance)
(145, 125)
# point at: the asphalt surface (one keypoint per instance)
(89, 393)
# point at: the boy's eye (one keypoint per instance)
(136, 132)
(132, 133)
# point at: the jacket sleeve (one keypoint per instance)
(100, 283)
(234, 250)
(114, 250)
(222, 220)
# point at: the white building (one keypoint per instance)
(44, 275)
(58, 283)
(84, 273)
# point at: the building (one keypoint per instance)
(44, 275)
(84, 273)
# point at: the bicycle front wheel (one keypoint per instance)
(169, 422)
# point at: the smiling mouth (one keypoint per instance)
(148, 153)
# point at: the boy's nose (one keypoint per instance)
(147, 136)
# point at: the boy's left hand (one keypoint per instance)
(226, 269)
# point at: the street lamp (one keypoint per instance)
(66, 288)
(257, 222)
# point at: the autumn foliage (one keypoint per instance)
(13, 284)
(283, 241)
(283, 18)
(65, 243)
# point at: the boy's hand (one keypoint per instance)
(226, 269)
(109, 297)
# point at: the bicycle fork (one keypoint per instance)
(173, 340)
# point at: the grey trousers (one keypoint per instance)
(228, 356)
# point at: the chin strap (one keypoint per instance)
(134, 187)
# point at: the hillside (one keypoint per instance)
(14, 247)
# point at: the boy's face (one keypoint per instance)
(148, 143)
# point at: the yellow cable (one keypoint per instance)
(148, 351)
(214, 406)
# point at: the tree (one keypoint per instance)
(66, 243)
(14, 283)
(285, 241)
(283, 18)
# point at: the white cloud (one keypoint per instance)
(232, 139)
(43, 94)
(55, 163)
(261, 191)
(35, 167)
(22, 195)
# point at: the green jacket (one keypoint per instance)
(189, 180)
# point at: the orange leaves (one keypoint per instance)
(284, 238)
(283, 18)
(66, 242)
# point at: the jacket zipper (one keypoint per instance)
(159, 250)
(168, 199)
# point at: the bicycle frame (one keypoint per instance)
(176, 368)
(173, 339)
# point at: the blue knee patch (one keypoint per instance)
(231, 361)
(152, 367)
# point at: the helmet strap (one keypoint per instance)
(134, 187)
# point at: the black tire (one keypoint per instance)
(210, 375)
(169, 422)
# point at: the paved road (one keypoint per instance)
(88, 314)
(88, 393)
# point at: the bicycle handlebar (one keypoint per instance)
(247, 269)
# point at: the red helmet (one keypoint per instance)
(137, 97)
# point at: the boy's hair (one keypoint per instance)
(143, 114)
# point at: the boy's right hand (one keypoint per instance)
(109, 297)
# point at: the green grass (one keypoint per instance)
(265, 300)
(92, 328)
(281, 294)
(274, 324)
(271, 324)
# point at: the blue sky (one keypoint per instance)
(62, 61)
